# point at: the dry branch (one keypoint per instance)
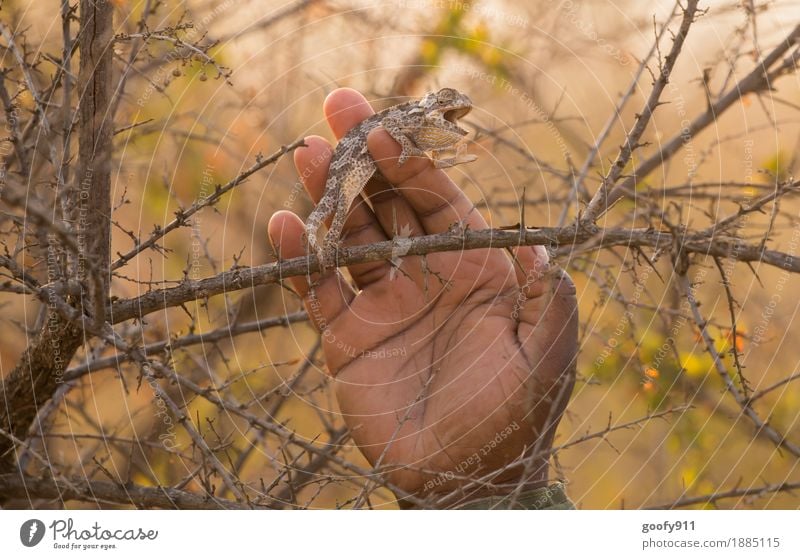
(761, 78)
(600, 201)
(227, 332)
(106, 492)
(41, 367)
(712, 498)
(762, 426)
(182, 216)
(553, 237)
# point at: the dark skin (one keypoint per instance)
(435, 361)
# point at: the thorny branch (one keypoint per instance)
(107, 492)
(744, 403)
(182, 216)
(600, 201)
(43, 383)
(741, 494)
(566, 239)
(760, 79)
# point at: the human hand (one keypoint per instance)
(457, 364)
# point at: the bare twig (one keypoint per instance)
(227, 332)
(763, 392)
(41, 109)
(182, 216)
(712, 498)
(744, 403)
(13, 485)
(616, 114)
(761, 78)
(600, 200)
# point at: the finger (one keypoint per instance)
(547, 331)
(535, 280)
(345, 108)
(331, 295)
(548, 328)
(312, 163)
(437, 201)
(531, 265)
(361, 226)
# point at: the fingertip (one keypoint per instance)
(532, 266)
(311, 163)
(309, 157)
(345, 108)
(285, 231)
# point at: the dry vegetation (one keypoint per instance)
(653, 151)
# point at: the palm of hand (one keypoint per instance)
(427, 382)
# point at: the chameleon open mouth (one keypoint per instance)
(454, 114)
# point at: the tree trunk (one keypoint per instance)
(41, 367)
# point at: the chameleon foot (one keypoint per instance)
(461, 157)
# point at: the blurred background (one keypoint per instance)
(545, 78)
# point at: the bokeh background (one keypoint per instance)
(545, 78)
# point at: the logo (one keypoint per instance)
(31, 532)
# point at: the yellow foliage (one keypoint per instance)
(689, 476)
(778, 166)
(695, 365)
(25, 100)
(429, 51)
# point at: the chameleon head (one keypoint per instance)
(446, 105)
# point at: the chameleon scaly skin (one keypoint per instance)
(425, 125)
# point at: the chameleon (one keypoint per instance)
(428, 125)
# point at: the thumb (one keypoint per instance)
(547, 314)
